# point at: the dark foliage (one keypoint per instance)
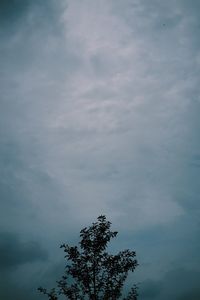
(91, 273)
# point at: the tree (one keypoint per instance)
(91, 273)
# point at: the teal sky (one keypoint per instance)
(99, 114)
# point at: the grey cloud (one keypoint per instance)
(23, 285)
(150, 289)
(181, 282)
(12, 10)
(14, 252)
(100, 114)
(11, 290)
(67, 132)
(70, 128)
(193, 294)
(176, 284)
(21, 19)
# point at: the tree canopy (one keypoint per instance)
(91, 273)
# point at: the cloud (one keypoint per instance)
(100, 114)
(176, 284)
(150, 289)
(14, 14)
(99, 109)
(10, 290)
(192, 294)
(12, 10)
(15, 253)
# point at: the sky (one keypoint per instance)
(99, 114)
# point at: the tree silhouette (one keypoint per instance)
(91, 273)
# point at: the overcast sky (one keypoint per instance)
(99, 114)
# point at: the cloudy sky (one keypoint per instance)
(99, 114)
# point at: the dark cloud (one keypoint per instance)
(25, 15)
(10, 290)
(12, 10)
(193, 294)
(178, 284)
(24, 285)
(150, 289)
(14, 252)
